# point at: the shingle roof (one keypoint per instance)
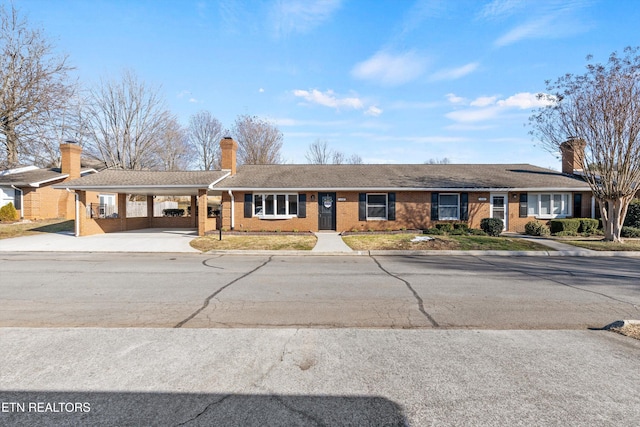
(31, 177)
(399, 176)
(146, 182)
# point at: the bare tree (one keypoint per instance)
(443, 161)
(355, 159)
(126, 119)
(599, 112)
(34, 83)
(205, 133)
(259, 141)
(174, 151)
(319, 153)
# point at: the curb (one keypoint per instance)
(585, 254)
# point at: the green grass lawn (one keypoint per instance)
(599, 245)
(255, 242)
(365, 242)
(18, 229)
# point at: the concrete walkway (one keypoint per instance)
(553, 244)
(145, 240)
(330, 241)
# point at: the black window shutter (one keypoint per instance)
(464, 206)
(577, 205)
(523, 205)
(391, 208)
(362, 206)
(248, 205)
(17, 200)
(434, 206)
(302, 205)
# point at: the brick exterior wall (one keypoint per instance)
(46, 202)
(413, 211)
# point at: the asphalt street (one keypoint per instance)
(195, 339)
(204, 291)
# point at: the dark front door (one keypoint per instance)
(326, 211)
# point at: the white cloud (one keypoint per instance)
(489, 107)
(194, 101)
(483, 101)
(391, 69)
(373, 111)
(301, 16)
(455, 73)
(454, 99)
(548, 20)
(261, 90)
(501, 8)
(329, 99)
(524, 101)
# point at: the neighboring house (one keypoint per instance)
(347, 197)
(31, 190)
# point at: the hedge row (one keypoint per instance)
(573, 225)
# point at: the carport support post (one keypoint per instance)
(202, 212)
(194, 216)
(122, 211)
(150, 211)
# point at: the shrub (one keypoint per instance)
(8, 213)
(536, 228)
(630, 232)
(434, 231)
(588, 225)
(458, 232)
(569, 224)
(492, 226)
(461, 226)
(445, 227)
(633, 214)
(477, 232)
(566, 233)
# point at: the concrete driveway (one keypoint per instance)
(145, 240)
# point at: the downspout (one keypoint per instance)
(593, 207)
(21, 201)
(233, 217)
(76, 222)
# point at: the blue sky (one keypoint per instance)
(393, 81)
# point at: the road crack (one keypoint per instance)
(213, 295)
(206, 409)
(413, 291)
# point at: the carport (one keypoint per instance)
(198, 185)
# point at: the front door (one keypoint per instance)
(499, 208)
(326, 211)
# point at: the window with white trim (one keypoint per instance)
(377, 206)
(275, 205)
(449, 206)
(549, 205)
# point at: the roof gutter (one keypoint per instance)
(426, 189)
(38, 183)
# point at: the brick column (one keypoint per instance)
(202, 212)
(122, 211)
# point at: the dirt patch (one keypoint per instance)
(629, 330)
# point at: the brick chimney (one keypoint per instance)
(572, 155)
(229, 149)
(70, 159)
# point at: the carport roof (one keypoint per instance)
(151, 183)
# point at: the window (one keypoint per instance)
(376, 206)
(449, 207)
(275, 205)
(549, 205)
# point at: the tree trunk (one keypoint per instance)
(11, 142)
(613, 212)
